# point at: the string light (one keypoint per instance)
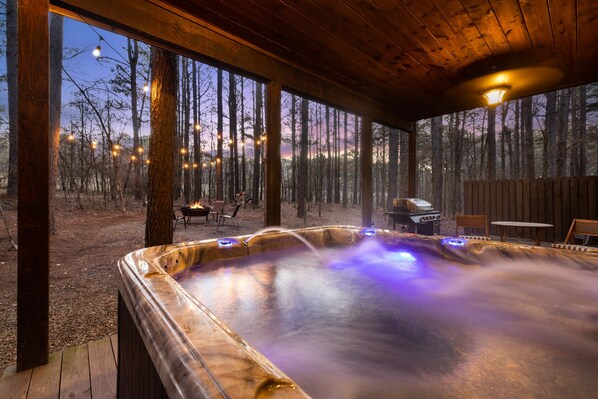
(70, 137)
(140, 150)
(198, 127)
(231, 142)
(186, 166)
(219, 137)
(183, 150)
(147, 161)
(211, 163)
(115, 153)
(133, 158)
(146, 88)
(204, 164)
(116, 147)
(97, 51)
(94, 145)
(194, 166)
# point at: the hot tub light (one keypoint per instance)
(226, 242)
(368, 232)
(454, 242)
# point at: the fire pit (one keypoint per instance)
(195, 210)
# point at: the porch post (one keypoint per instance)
(273, 165)
(412, 167)
(33, 181)
(366, 171)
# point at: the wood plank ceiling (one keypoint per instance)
(408, 54)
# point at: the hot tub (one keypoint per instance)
(372, 313)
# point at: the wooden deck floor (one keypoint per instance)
(84, 371)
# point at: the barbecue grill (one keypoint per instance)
(416, 214)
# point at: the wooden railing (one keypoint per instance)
(554, 200)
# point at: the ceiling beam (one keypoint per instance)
(161, 25)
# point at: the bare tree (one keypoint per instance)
(562, 129)
(219, 174)
(551, 134)
(302, 186)
(491, 145)
(437, 162)
(56, 35)
(527, 117)
(257, 134)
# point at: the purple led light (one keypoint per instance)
(369, 232)
(226, 242)
(454, 242)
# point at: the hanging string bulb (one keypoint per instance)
(97, 51)
(146, 88)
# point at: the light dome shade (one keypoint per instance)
(495, 96)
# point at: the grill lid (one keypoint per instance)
(412, 204)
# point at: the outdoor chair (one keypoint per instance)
(231, 217)
(176, 216)
(584, 227)
(217, 210)
(476, 221)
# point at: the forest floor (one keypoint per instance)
(89, 242)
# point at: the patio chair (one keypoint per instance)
(217, 210)
(176, 216)
(231, 217)
(585, 227)
(476, 221)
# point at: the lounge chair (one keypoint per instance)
(476, 221)
(232, 216)
(585, 227)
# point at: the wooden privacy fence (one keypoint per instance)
(554, 200)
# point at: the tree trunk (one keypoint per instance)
(393, 166)
(133, 57)
(302, 186)
(186, 95)
(551, 134)
(528, 134)
(257, 133)
(328, 159)
(11, 77)
(345, 197)
(562, 131)
(517, 142)
(243, 171)
(293, 148)
(232, 138)
(197, 158)
(158, 228)
(583, 151)
(457, 191)
(437, 162)
(491, 145)
(337, 159)
(219, 138)
(356, 164)
(403, 164)
(56, 35)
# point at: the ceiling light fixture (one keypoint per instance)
(495, 95)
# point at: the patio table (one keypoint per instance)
(503, 223)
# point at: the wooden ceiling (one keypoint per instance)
(408, 54)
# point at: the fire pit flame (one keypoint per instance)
(196, 205)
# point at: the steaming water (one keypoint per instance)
(379, 323)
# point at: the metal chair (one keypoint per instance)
(217, 210)
(475, 221)
(176, 216)
(230, 217)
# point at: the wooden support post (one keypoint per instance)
(33, 181)
(411, 185)
(273, 165)
(366, 171)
